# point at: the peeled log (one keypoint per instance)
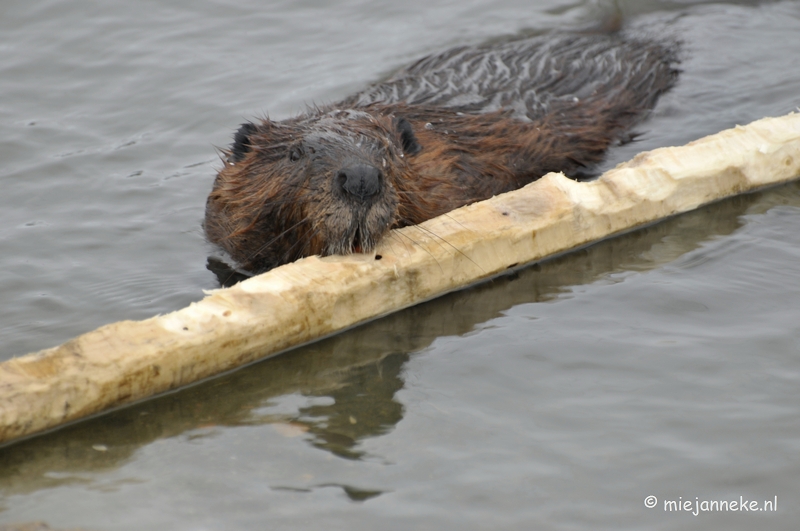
(129, 361)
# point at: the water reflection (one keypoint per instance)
(355, 494)
(342, 390)
(364, 407)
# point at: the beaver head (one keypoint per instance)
(322, 183)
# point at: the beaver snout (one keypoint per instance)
(362, 181)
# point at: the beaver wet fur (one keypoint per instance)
(449, 130)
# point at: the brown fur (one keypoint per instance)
(336, 179)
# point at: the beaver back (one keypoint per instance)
(529, 76)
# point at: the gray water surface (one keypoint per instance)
(664, 362)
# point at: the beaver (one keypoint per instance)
(451, 129)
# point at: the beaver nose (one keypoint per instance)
(360, 180)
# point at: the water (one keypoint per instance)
(660, 363)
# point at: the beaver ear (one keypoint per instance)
(407, 137)
(241, 142)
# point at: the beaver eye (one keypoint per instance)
(295, 153)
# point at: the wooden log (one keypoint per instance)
(129, 361)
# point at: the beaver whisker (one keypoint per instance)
(251, 256)
(306, 244)
(454, 220)
(415, 242)
(451, 129)
(439, 238)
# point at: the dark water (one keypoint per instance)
(662, 363)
